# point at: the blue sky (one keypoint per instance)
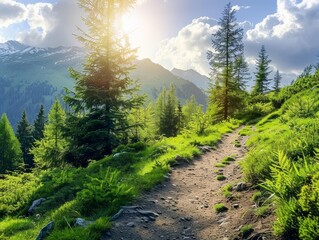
(177, 33)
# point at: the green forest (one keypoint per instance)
(104, 144)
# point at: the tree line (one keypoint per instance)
(104, 109)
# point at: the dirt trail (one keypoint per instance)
(185, 203)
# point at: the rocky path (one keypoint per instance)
(183, 206)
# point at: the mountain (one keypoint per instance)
(31, 76)
(153, 77)
(198, 79)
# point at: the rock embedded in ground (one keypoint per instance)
(241, 187)
(35, 203)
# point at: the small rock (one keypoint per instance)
(187, 231)
(236, 206)
(241, 187)
(131, 224)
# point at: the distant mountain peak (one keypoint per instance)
(193, 76)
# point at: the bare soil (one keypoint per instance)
(185, 203)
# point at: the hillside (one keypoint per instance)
(31, 76)
(198, 79)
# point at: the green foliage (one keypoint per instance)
(309, 228)
(16, 191)
(246, 131)
(10, 148)
(38, 125)
(262, 80)
(225, 94)
(246, 230)
(263, 211)
(220, 207)
(220, 165)
(104, 92)
(220, 177)
(24, 135)
(48, 152)
(227, 190)
(9, 227)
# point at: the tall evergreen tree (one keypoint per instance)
(38, 125)
(227, 45)
(48, 151)
(277, 80)
(25, 137)
(189, 110)
(262, 74)
(10, 150)
(103, 90)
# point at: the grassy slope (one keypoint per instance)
(283, 159)
(96, 192)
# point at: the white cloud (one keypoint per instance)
(188, 49)
(290, 35)
(237, 7)
(11, 12)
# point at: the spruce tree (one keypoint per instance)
(10, 150)
(104, 92)
(227, 45)
(25, 137)
(262, 74)
(277, 80)
(48, 151)
(241, 72)
(38, 125)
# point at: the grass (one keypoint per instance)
(220, 177)
(246, 230)
(228, 160)
(220, 207)
(220, 165)
(263, 211)
(94, 193)
(227, 190)
(237, 143)
(246, 131)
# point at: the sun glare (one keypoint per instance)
(131, 27)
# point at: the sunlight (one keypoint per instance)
(131, 27)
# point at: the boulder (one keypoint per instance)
(35, 203)
(80, 222)
(45, 231)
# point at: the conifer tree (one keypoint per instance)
(262, 74)
(277, 80)
(10, 150)
(241, 72)
(189, 110)
(227, 46)
(103, 90)
(25, 137)
(48, 151)
(169, 116)
(38, 125)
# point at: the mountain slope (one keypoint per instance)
(31, 76)
(198, 79)
(153, 77)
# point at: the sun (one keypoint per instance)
(131, 26)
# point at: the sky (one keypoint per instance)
(177, 33)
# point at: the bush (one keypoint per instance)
(220, 207)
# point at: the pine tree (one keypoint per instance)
(277, 80)
(189, 110)
(10, 150)
(25, 137)
(103, 94)
(38, 125)
(48, 151)
(227, 44)
(262, 79)
(169, 117)
(241, 72)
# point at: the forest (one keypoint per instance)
(104, 145)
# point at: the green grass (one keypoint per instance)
(263, 211)
(246, 131)
(94, 193)
(220, 207)
(246, 230)
(228, 160)
(220, 177)
(220, 165)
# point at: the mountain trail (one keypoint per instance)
(182, 207)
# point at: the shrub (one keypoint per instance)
(220, 207)
(220, 177)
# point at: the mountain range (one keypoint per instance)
(31, 76)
